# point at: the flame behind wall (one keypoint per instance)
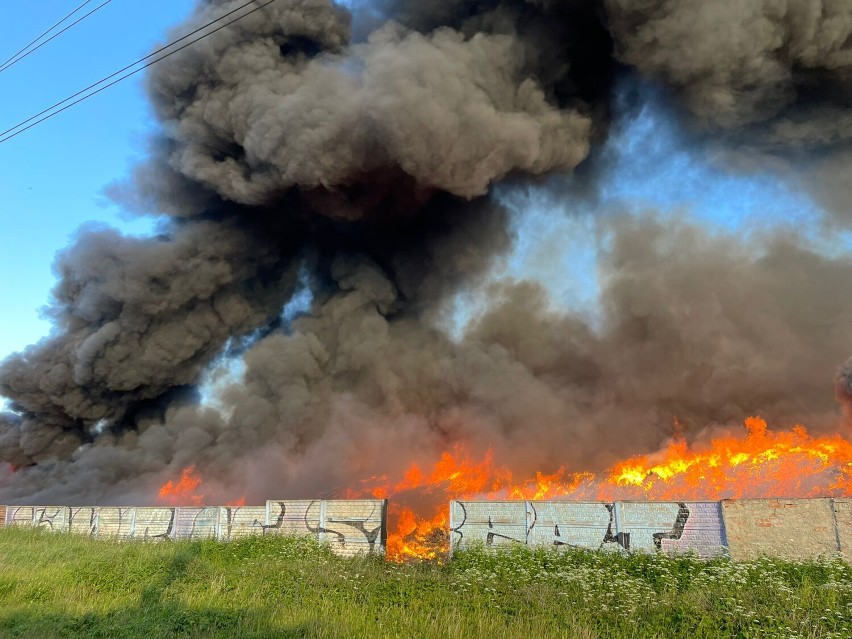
(760, 463)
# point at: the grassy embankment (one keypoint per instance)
(69, 586)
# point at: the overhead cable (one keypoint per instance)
(84, 94)
(18, 57)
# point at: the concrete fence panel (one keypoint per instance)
(19, 515)
(196, 523)
(671, 527)
(785, 528)
(53, 518)
(350, 527)
(573, 524)
(646, 526)
(493, 523)
(115, 522)
(154, 523)
(295, 517)
(354, 527)
(241, 521)
(83, 520)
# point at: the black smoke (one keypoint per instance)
(287, 145)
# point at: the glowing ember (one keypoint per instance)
(759, 464)
(184, 491)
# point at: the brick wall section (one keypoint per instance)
(785, 528)
(843, 521)
(2, 516)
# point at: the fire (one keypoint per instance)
(415, 537)
(186, 491)
(763, 463)
(182, 492)
(759, 464)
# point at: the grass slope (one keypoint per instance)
(72, 586)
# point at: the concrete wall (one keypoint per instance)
(789, 528)
(350, 527)
(19, 515)
(535, 523)
(649, 526)
(672, 527)
(744, 529)
(197, 523)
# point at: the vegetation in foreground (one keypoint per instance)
(68, 586)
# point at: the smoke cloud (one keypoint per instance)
(365, 159)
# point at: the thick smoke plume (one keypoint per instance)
(291, 150)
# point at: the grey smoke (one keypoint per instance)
(369, 164)
(771, 76)
(736, 63)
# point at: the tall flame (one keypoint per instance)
(760, 463)
(184, 491)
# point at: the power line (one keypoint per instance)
(129, 66)
(5, 62)
(14, 59)
(127, 75)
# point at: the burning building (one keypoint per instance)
(359, 154)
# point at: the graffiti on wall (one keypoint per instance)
(672, 527)
(577, 524)
(790, 528)
(623, 526)
(197, 523)
(350, 527)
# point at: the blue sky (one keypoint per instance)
(52, 177)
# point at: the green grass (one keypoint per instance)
(54, 585)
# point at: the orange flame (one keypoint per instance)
(759, 464)
(183, 491)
